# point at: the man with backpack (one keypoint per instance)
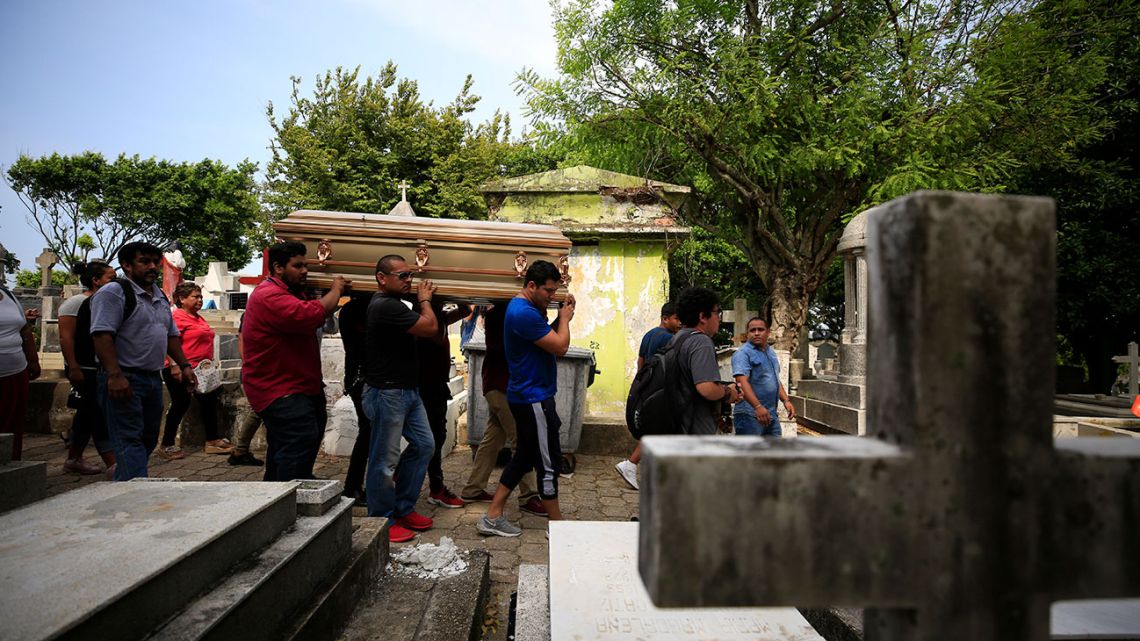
(653, 340)
(679, 390)
(133, 331)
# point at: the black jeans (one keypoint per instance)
(180, 402)
(88, 423)
(294, 425)
(435, 399)
(358, 462)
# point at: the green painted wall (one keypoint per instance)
(620, 287)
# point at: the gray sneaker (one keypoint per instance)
(499, 527)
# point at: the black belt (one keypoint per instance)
(137, 370)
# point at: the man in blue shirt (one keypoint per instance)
(653, 340)
(757, 371)
(532, 348)
(132, 352)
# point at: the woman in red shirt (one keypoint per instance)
(197, 345)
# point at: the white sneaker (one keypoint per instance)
(628, 471)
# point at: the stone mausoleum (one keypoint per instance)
(622, 228)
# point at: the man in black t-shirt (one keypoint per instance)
(435, 370)
(391, 397)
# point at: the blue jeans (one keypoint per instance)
(748, 424)
(133, 424)
(394, 413)
(294, 425)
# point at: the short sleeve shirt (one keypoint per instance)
(197, 336)
(654, 340)
(392, 360)
(533, 370)
(70, 307)
(140, 339)
(12, 322)
(697, 359)
(762, 367)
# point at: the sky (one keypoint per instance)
(187, 80)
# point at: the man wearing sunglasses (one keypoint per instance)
(391, 397)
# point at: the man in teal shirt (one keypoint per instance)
(756, 369)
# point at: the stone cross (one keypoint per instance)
(1133, 362)
(958, 517)
(46, 260)
(403, 190)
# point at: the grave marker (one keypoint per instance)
(46, 260)
(1133, 362)
(959, 518)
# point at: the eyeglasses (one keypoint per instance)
(401, 275)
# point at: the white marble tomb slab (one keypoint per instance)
(596, 594)
(1096, 619)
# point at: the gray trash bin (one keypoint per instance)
(573, 378)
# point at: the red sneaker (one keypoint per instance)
(414, 521)
(444, 498)
(397, 534)
(534, 506)
(481, 497)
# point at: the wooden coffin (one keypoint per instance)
(468, 260)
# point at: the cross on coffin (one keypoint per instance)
(959, 517)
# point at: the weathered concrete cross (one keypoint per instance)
(959, 517)
(403, 189)
(46, 260)
(1133, 362)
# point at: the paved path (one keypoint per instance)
(594, 493)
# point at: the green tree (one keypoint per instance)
(84, 204)
(789, 116)
(31, 278)
(348, 145)
(1096, 182)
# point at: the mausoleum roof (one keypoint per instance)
(855, 233)
(577, 179)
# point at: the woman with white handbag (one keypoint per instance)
(198, 346)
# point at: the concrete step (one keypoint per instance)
(456, 384)
(334, 606)
(407, 608)
(264, 594)
(845, 394)
(829, 418)
(21, 482)
(127, 556)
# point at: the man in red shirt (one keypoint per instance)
(281, 373)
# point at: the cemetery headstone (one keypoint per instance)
(1132, 360)
(596, 595)
(959, 518)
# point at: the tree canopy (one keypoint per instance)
(85, 206)
(348, 145)
(789, 116)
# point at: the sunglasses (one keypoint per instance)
(401, 275)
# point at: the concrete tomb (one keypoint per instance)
(171, 560)
(960, 517)
(596, 594)
(21, 482)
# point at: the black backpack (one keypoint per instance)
(651, 405)
(84, 345)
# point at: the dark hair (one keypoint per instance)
(757, 318)
(129, 252)
(88, 272)
(541, 271)
(282, 252)
(183, 289)
(668, 309)
(693, 302)
(384, 265)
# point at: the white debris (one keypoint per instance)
(429, 561)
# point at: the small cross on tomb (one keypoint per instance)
(958, 517)
(403, 190)
(1133, 362)
(46, 260)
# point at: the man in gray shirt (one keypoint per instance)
(132, 346)
(698, 386)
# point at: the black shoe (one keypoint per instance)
(245, 459)
(358, 497)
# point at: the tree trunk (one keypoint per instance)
(790, 295)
